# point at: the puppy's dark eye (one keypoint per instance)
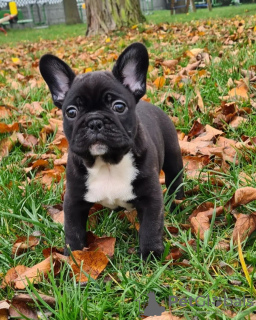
(71, 112)
(119, 106)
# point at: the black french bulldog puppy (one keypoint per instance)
(117, 145)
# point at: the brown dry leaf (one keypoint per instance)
(24, 243)
(91, 262)
(60, 142)
(244, 227)
(171, 64)
(159, 82)
(62, 161)
(33, 108)
(7, 144)
(200, 103)
(241, 196)
(237, 121)
(56, 125)
(40, 163)
(200, 218)
(172, 229)
(104, 244)
(47, 252)
(56, 212)
(12, 274)
(4, 310)
(240, 92)
(176, 253)
(20, 308)
(200, 224)
(4, 128)
(27, 140)
(5, 112)
(189, 67)
(196, 130)
(162, 177)
(166, 315)
(223, 245)
(50, 176)
(194, 164)
(194, 52)
(131, 215)
(33, 274)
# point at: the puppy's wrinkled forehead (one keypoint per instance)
(94, 85)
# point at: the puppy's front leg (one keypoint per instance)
(151, 218)
(76, 212)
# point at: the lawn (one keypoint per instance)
(202, 73)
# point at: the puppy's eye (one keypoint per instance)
(119, 106)
(71, 112)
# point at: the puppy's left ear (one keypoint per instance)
(131, 69)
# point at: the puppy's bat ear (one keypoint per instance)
(58, 76)
(131, 69)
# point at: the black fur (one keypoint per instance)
(142, 129)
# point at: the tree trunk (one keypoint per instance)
(187, 7)
(209, 2)
(193, 6)
(71, 12)
(107, 15)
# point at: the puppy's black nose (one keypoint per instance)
(95, 125)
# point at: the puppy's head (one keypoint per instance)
(99, 107)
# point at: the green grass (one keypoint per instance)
(123, 286)
(242, 10)
(61, 32)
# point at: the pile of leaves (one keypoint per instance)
(202, 74)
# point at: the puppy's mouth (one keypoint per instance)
(98, 149)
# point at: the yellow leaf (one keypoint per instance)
(134, 27)
(16, 60)
(88, 70)
(107, 40)
(248, 278)
(254, 29)
(159, 82)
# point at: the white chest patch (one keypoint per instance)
(111, 184)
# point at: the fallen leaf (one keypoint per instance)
(12, 274)
(33, 274)
(30, 298)
(200, 103)
(171, 64)
(240, 92)
(21, 308)
(244, 227)
(4, 310)
(27, 140)
(24, 243)
(241, 196)
(4, 112)
(159, 82)
(33, 108)
(104, 244)
(166, 315)
(4, 128)
(7, 144)
(91, 262)
(178, 252)
(56, 212)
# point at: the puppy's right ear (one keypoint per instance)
(58, 76)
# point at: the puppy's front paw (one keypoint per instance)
(155, 250)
